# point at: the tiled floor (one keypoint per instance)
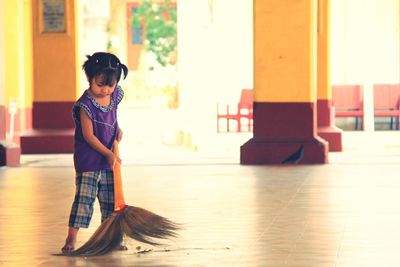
(345, 213)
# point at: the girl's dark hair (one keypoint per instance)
(105, 64)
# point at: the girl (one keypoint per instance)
(96, 129)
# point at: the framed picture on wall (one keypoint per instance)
(52, 15)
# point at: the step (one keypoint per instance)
(47, 141)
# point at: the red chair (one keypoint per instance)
(348, 102)
(243, 110)
(387, 102)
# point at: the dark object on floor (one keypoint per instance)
(295, 157)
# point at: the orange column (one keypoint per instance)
(2, 75)
(325, 114)
(55, 77)
(284, 84)
(15, 77)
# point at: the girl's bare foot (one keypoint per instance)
(68, 247)
(70, 241)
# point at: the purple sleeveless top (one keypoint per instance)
(105, 125)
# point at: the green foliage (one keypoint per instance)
(159, 23)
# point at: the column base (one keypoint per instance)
(333, 135)
(53, 129)
(259, 151)
(326, 125)
(9, 154)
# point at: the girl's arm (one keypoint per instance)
(93, 141)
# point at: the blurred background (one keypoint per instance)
(188, 58)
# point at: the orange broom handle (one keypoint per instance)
(119, 201)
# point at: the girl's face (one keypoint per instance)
(100, 89)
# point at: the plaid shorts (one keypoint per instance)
(88, 186)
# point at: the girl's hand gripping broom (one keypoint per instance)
(137, 223)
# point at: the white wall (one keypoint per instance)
(215, 58)
(91, 18)
(365, 41)
(365, 45)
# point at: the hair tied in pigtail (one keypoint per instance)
(124, 69)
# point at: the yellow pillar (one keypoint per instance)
(54, 77)
(18, 62)
(325, 114)
(284, 84)
(2, 74)
(15, 79)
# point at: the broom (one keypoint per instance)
(137, 223)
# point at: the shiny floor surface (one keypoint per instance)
(345, 213)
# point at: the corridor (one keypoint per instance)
(345, 213)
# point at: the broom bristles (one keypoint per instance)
(137, 223)
(144, 225)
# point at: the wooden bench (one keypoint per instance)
(387, 102)
(243, 110)
(347, 101)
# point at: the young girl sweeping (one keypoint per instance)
(96, 129)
